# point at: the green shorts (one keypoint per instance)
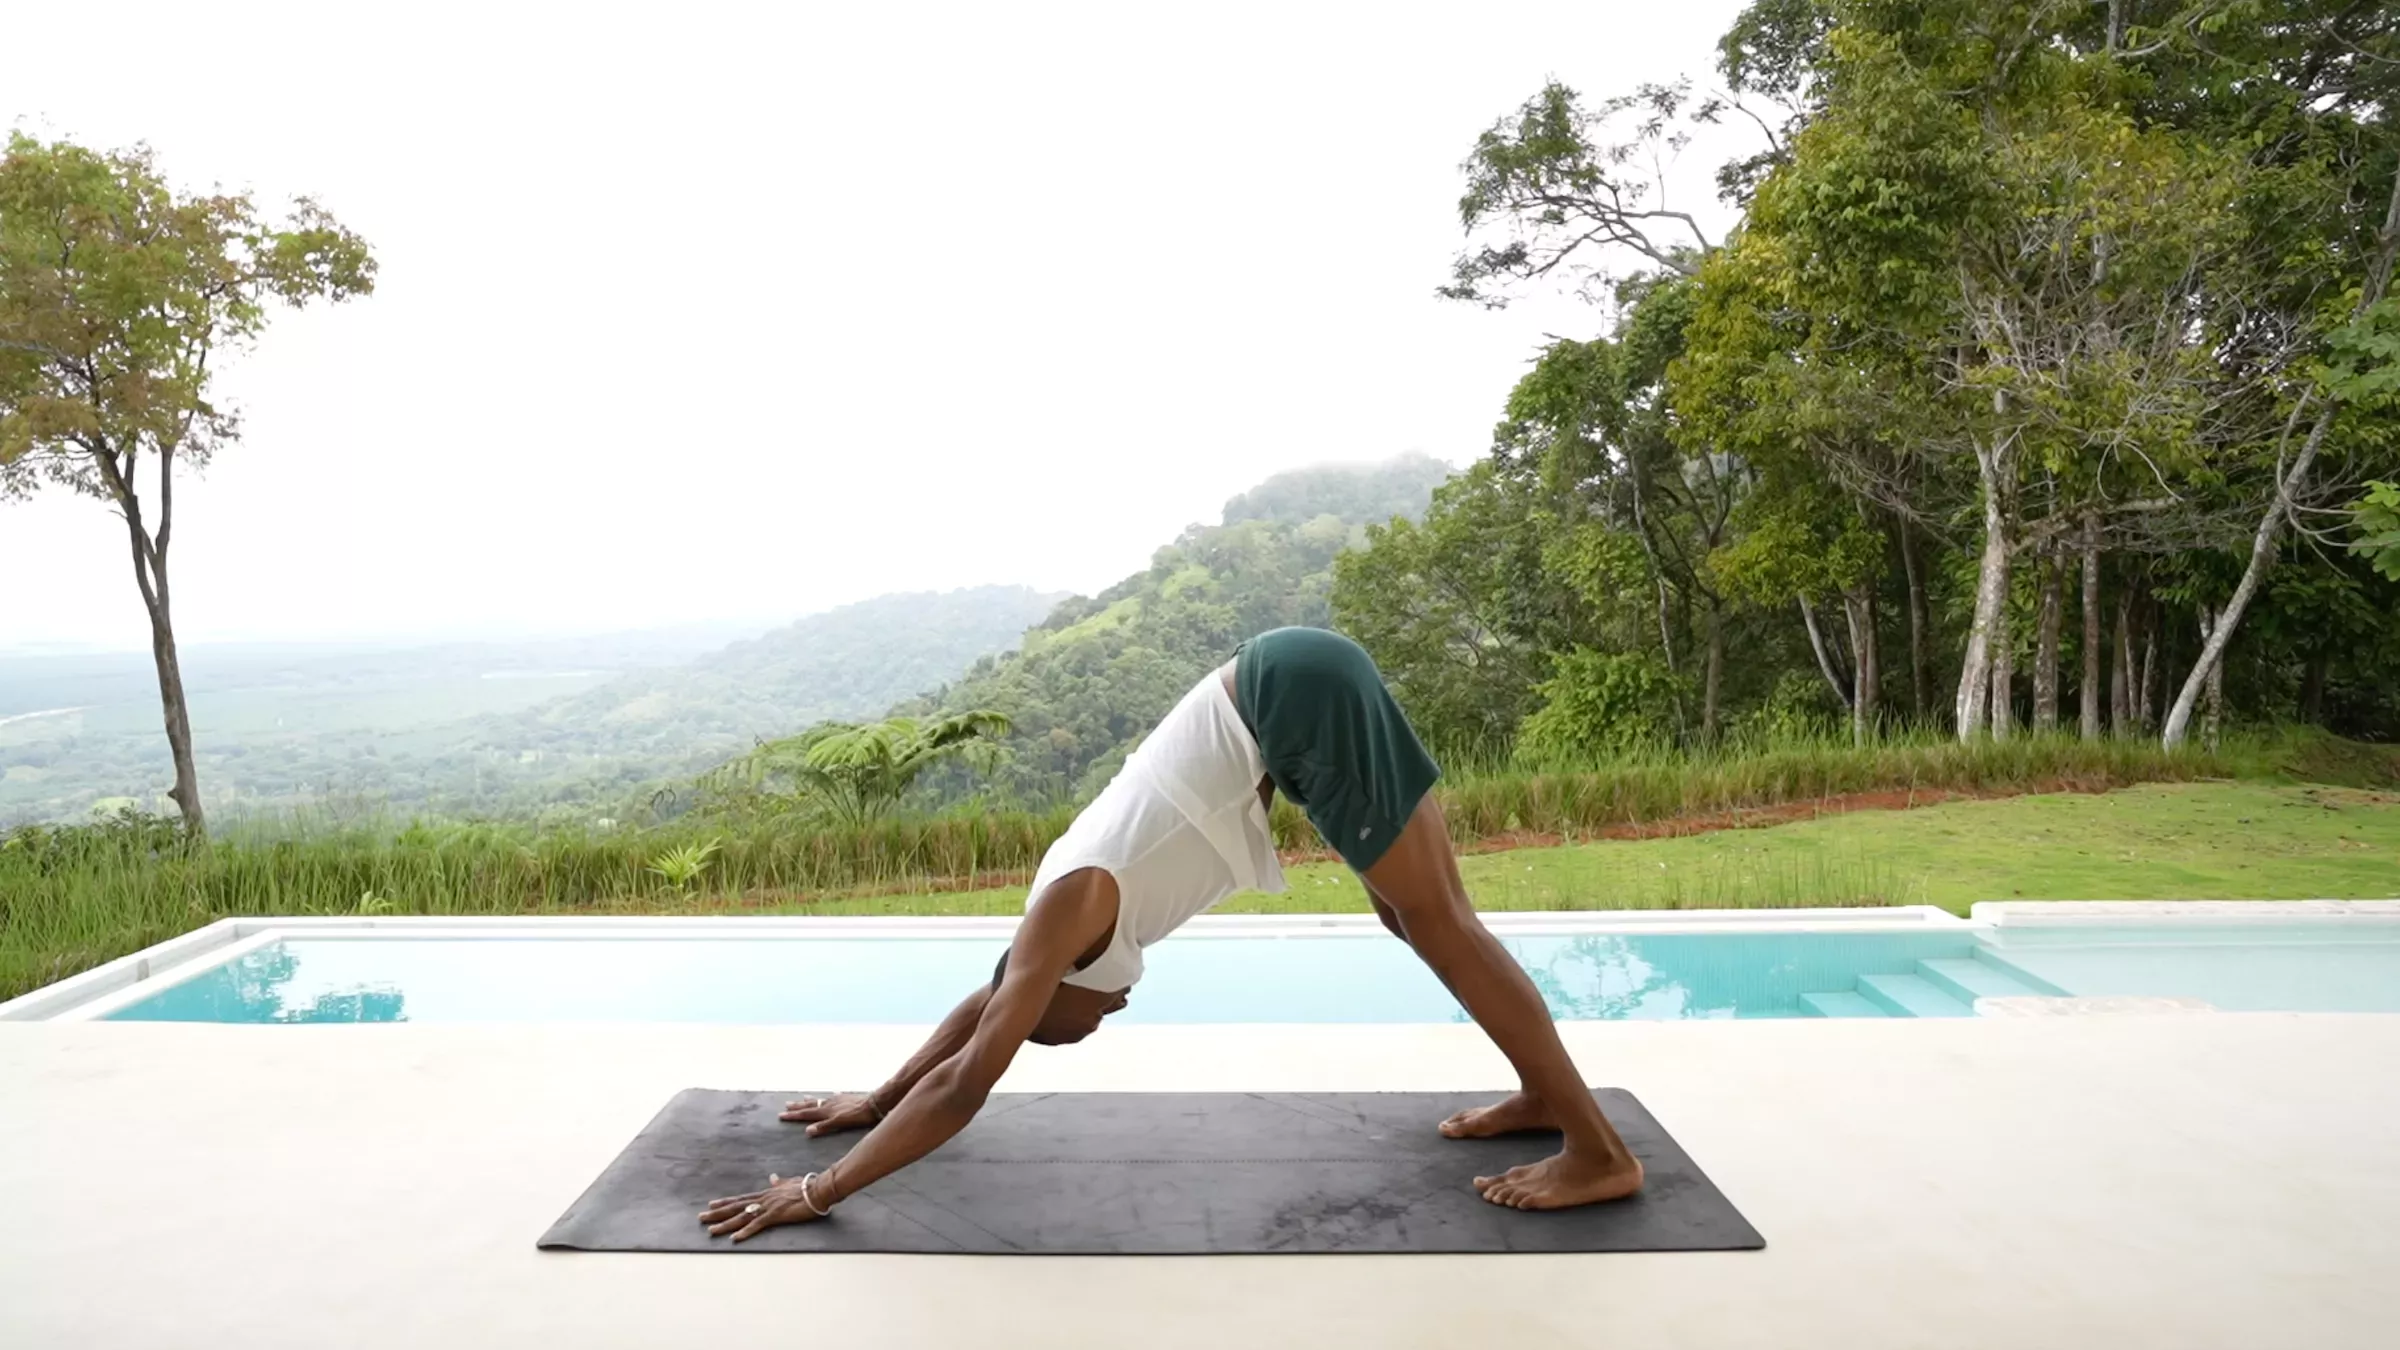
(1333, 740)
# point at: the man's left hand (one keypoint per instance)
(782, 1202)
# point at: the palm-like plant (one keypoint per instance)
(856, 772)
(679, 867)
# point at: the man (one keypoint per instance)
(1183, 825)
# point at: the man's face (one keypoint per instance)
(1075, 1013)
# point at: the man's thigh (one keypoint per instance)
(1418, 874)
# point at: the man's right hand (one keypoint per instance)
(832, 1115)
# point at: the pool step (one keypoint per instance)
(1943, 986)
(2034, 984)
(1966, 979)
(1839, 1003)
(1911, 996)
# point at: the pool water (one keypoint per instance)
(2341, 966)
(1190, 978)
(2348, 965)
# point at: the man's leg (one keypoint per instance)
(1417, 881)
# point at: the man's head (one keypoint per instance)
(1074, 1012)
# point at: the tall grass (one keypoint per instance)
(1662, 785)
(71, 898)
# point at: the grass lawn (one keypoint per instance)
(2182, 841)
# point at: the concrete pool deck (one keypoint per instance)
(2130, 1181)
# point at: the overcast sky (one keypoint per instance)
(701, 312)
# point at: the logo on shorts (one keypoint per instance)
(1365, 830)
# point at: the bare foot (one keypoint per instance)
(1522, 1111)
(1562, 1181)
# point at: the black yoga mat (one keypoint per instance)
(1152, 1174)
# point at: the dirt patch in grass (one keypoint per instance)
(1784, 813)
(1762, 817)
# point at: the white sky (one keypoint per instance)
(735, 312)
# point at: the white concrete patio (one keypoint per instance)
(2172, 1181)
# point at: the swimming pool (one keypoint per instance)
(1294, 969)
(1359, 978)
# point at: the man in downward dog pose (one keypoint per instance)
(1183, 825)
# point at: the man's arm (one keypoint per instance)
(1060, 926)
(948, 1039)
(856, 1112)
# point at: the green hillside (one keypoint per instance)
(1085, 683)
(849, 662)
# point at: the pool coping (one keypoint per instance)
(104, 988)
(2058, 913)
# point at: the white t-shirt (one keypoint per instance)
(1180, 828)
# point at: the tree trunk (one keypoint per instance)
(2262, 556)
(1913, 566)
(1989, 633)
(150, 577)
(186, 792)
(1816, 643)
(1714, 675)
(2153, 620)
(1858, 606)
(2004, 686)
(2212, 716)
(2312, 688)
(1666, 640)
(2120, 674)
(2092, 651)
(2045, 654)
(2270, 528)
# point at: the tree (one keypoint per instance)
(2366, 371)
(1564, 194)
(1800, 541)
(1593, 420)
(1463, 609)
(2103, 296)
(117, 297)
(854, 773)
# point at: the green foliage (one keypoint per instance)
(2378, 539)
(1461, 610)
(73, 897)
(1799, 708)
(2365, 365)
(1560, 192)
(115, 291)
(853, 773)
(1600, 704)
(682, 865)
(1805, 541)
